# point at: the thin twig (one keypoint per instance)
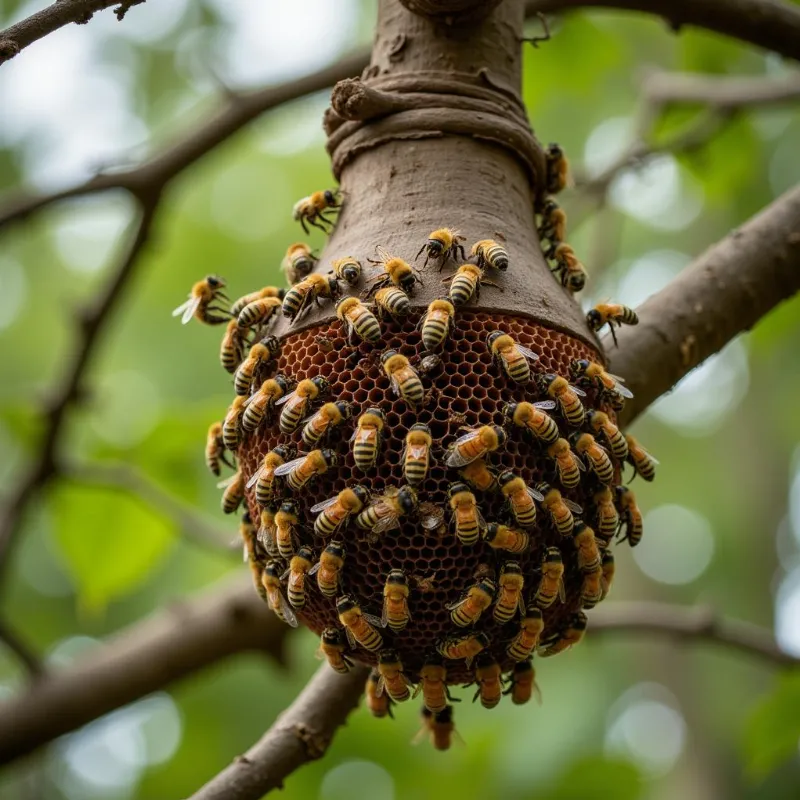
(32, 663)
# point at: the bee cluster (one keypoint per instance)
(434, 492)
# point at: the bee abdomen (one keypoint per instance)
(433, 333)
(415, 472)
(365, 455)
(290, 419)
(252, 417)
(297, 598)
(461, 290)
(412, 390)
(367, 326)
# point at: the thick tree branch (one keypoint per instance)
(723, 292)
(452, 12)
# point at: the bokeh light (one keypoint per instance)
(364, 778)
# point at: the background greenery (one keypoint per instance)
(623, 717)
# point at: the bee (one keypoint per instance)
(361, 628)
(557, 169)
(200, 304)
(595, 456)
(417, 453)
(594, 375)
(559, 508)
(501, 537)
(630, 515)
(552, 582)
(299, 567)
(247, 532)
(571, 636)
(329, 569)
(523, 683)
(487, 676)
(392, 680)
(231, 423)
(384, 513)
(430, 364)
(267, 530)
(479, 476)
(490, 254)
(395, 613)
(478, 443)
(554, 222)
(588, 551)
(642, 462)
(442, 243)
(312, 209)
(324, 421)
(359, 320)
(231, 349)
(602, 425)
(527, 639)
(332, 646)
(286, 524)
(367, 438)
(335, 512)
(592, 588)
(405, 381)
(439, 727)
(569, 270)
(347, 269)
(567, 397)
(465, 646)
(262, 403)
(297, 263)
(396, 272)
(215, 449)
(437, 323)
(568, 465)
(509, 596)
(606, 516)
(305, 393)
(468, 608)
(465, 283)
(608, 573)
(520, 499)
(424, 584)
(259, 312)
(270, 578)
(433, 684)
(307, 291)
(379, 705)
(301, 470)
(616, 401)
(251, 297)
(533, 418)
(611, 314)
(514, 359)
(467, 518)
(392, 301)
(234, 492)
(432, 519)
(264, 477)
(261, 353)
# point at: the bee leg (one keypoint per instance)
(416, 257)
(448, 279)
(303, 223)
(613, 334)
(492, 283)
(458, 248)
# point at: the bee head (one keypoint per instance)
(511, 568)
(329, 458)
(407, 498)
(491, 531)
(554, 150)
(579, 621)
(345, 603)
(456, 488)
(387, 355)
(388, 656)
(580, 527)
(397, 578)
(550, 206)
(321, 384)
(246, 518)
(374, 676)
(482, 639)
(332, 637)
(542, 488)
(335, 549)
(509, 409)
(483, 660)
(622, 492)
(273, 569)
(330, 196)
(433, 659)
(523, 667)
(283, 382)
(444, 717)
(553, 555)
(215, 282)
(505, 478)
(533, 612)
(500, 434)
(608, 557)
(361, 493)
(283, 451)
(594, 319)
(488, 586)
(305, 552)
(544, 379)
(435, 247)
(578, 366)
(493, 337)
(333, 287)
(420, 426)
(288, 507)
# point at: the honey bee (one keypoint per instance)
(430, 364)
(358, 320)
(465, 283)
(391, 301)
(264, 477)
(361, 628)
(520, 499)
(324, 421)
(433, 684)
(395, 613)
(606, 516)
(347, 269)
(395, 271)
(262, 403)
(417, 453)
(301, 470)
(468, 608)
(611, 314)
(523, 683)
(437, 324)
(329, 569)
(490, 254)
(405, 381)
(479, 476)
(384, 513)
(501, 537)
(630, 515)
(307, 291)
(378, 705)
(298, 262)
(332, 646)
(200, 304)
(261, 353)
(531, 417)
(467, 518)
(231, 349)
(335, 512)
(552, 582)
(559, 508)
(569, 270)
(424, 584)
(215, 449)
(439, 727)
(588, 551)
(231, 423)
(305, 393)
(312, 209)
(247, 532)
(527, 639)
(642, 462)
(259, 312)
(514, 359)
(567, 397)
(267, 530)
(233, 493)
(441, 244)
(286, 524)
(392, 680)
(465, 646)
(592, 588)
(608, 573)
(432, 519)
(602, 425)
(251, 297)
(557, 169)
(367, 438)
(270, 578)
(477, 443)
(487, 676)
(568, 466)
(595, 456)
(554, 222)
(594, 375)
(299, 567)
(509, 596)
(571, 636)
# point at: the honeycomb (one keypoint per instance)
(469, 390)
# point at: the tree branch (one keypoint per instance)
(21, 650)
(723, 292)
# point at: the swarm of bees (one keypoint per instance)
(508, 512)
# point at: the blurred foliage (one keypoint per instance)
(619, 719)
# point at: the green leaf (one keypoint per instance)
(597, 778)
(110, 541)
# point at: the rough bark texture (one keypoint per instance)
(452, 12)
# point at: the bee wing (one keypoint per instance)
(481, 520)
(561, 592)
(350, 638)
(252, 396)
(324, 504)
(573, 507)
(527, 353)
(623, 391)
(228, 481)
(267, 538)
(382, 254)
(285, 469)
(395, 386)
(286, 574)
(433, 517)
(372, 619)
(537, 693)
(579, 462)
(535, 494)
(361, 435)
(286, 611)
(457, 604)
(255, 476)
(577, 391)
(387, 523)
(188, 308)
(545, 405)
(380, 686)
(315, 568)
(286, 398)
(455, 459)
(385, 613)
(650, 456)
